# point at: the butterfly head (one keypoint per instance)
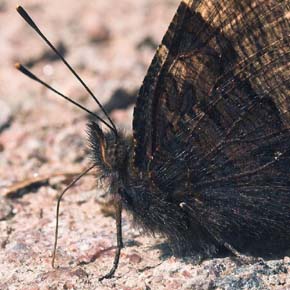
(109, 152)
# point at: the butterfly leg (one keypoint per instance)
(118, 206)
(242, 258)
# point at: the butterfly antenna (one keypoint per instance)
(29, 74)
(29, 21)
(57, 210)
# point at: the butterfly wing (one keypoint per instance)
(212, 118)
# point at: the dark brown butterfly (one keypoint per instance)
(208, 163)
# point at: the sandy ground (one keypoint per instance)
(110, 43)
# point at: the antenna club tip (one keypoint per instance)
(18, 7)
(17, 65)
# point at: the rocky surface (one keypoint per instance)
(43, 143)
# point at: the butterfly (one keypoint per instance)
(207, 165)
